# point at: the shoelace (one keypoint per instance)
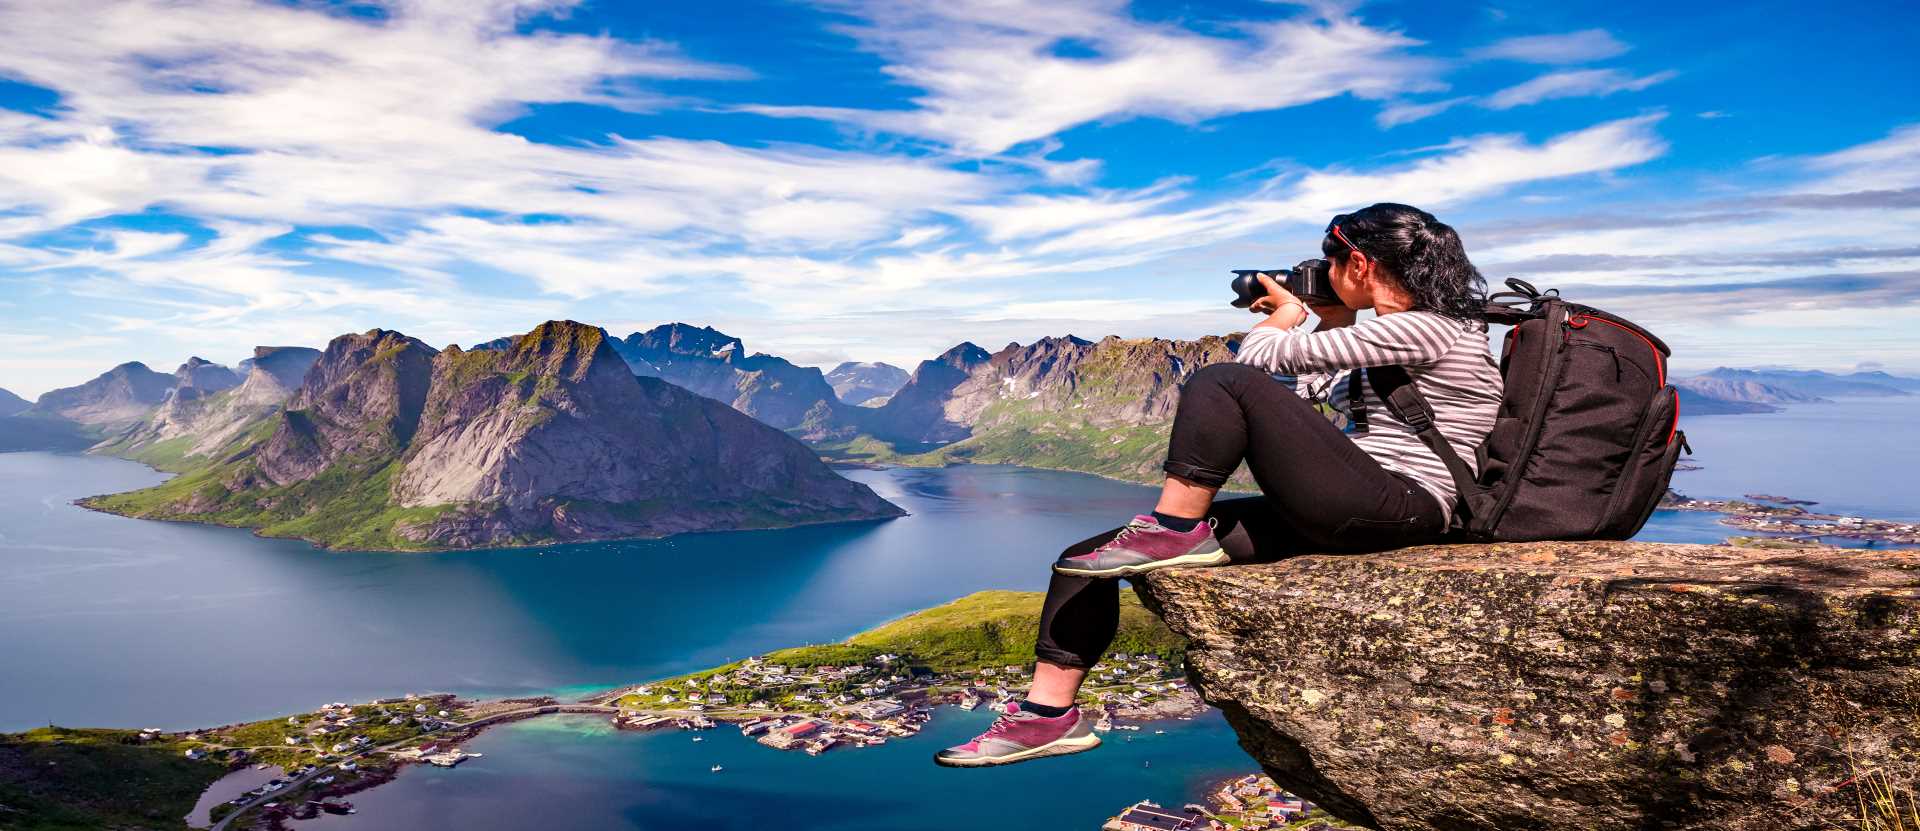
(1131, 529)
(999, 727)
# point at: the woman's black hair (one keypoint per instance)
(1422, 251)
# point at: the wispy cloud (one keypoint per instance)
(1579, 83)
(1398, 113)
(993, 74)
(1572, 47)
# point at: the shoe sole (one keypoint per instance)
(1057, 747)
(1216, 557)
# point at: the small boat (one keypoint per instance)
(1159, 732)
(717, 768)
(699, 738)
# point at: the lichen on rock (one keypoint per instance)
(1588, 685)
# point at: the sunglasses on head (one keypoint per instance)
(1334, 229)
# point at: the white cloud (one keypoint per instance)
(1886, 164)
(993, 74)
(1404, 112)
(1579, 83)
(1467, 169)
(1571, 47)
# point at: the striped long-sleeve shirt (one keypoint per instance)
(1447, 359)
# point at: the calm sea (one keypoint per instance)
(116, 622)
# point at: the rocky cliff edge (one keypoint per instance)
(1581, 685)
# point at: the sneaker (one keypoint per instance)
(1019, 736)
(1145, 545)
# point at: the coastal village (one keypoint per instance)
(1247, 803)
(1781, 515)
(814, 709)
(797, 705)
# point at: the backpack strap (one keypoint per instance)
(1401, 398)
(1356, 414)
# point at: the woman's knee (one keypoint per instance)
(1224, 375)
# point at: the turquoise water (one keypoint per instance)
(117, 622)
(579, 773)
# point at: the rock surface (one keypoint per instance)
(1578, 685)
(362, 399)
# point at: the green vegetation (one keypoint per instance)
(997, 628)
(989, 629)
(61, 778)
(346, 506)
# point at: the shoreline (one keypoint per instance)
(274, 809)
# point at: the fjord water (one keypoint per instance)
(116, 622)
(109, 621)
(579, 773)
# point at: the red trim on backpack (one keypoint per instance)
(1580, 322)
(1671, 431)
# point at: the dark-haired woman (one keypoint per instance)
(1323, 489)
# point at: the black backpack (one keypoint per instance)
(1587, 434)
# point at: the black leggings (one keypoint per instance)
(1322, 494)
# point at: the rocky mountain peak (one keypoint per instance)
(10, 403)
(716, 365)
(284, 367)
(362, 399)
(112, 400)
(962, 356)
(204, 375)
(661, 343)
(562, 348)
(859, 383)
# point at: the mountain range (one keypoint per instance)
(567, 433)
(1066, 403)
(388, 443)
(1726, 390)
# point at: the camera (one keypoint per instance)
(1307, 281)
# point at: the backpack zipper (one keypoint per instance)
(1580, 321)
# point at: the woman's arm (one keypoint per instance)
(1407, 338)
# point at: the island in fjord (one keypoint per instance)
(389, 444)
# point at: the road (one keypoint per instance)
(300, 781)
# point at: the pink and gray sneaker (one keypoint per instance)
(1019, 736)
(1145, 545)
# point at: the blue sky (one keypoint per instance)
(873, 180)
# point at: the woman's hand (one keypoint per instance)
(1332, 315)
(1283, 310)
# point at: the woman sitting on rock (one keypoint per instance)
(1324, 490)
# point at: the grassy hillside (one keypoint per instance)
(60, 778)
(344, 507)
(984, 629)
(997, 628)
